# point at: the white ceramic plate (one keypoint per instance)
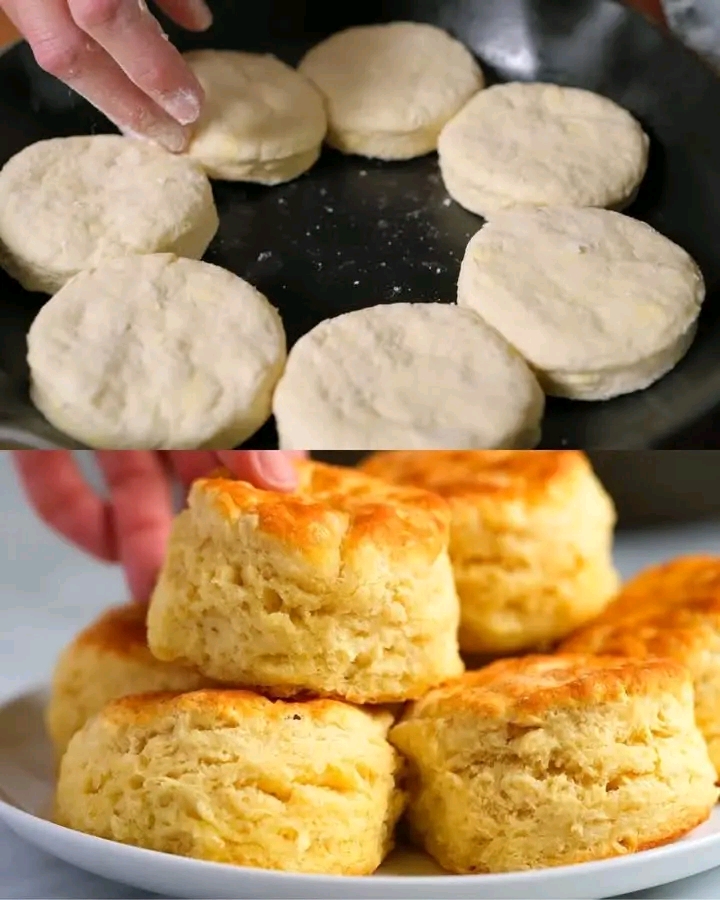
(26, 786)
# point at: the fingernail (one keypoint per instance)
(171, 136)
(201, 13)
(184, 106)
(163, 135)
(274, 467)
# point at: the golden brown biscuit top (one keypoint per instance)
(688, 581)
(522, 689)
(500, 475)
(211, 708)
(119, 630)
(668, 610)
(332, 500)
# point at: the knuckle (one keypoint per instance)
(92, 14)
(62, 58)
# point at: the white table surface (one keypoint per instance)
(48, 591)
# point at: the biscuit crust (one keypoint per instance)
(530, 540)
(670, 610)
(546, 761)
(108, 659)
(342, 589)
(230, 776)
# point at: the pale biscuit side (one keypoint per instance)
(343, 592)
(555, 761)
(232, 777)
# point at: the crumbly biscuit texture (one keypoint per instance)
(69, 204)
(599, 304)
(523, 144)
(670, 610)
(530, 540)
(391, 88)
(108, 659)
(262, 121)
(233, 777)
(343, 588)
(156, 352)
(549, 761)
(410, 375)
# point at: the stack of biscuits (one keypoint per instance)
(297, 688)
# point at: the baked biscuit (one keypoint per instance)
(233, 777)
(343, 588)
(671, 610)
(549, 761)
(108, 659)
(530, 540)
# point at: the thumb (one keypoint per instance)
(268, 469)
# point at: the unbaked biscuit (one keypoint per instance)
(343, 588)
(530, 540)
(522, 144)
(261, 121)
(670, 610)
(598, 304)
(69, 204)
(108, 659)
(550, 761)
(390, 88)
(232, 777)
(156, 353)
(407, 375)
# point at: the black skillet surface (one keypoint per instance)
(353, 232)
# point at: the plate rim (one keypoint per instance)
(11, 813)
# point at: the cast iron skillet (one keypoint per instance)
(353, 233)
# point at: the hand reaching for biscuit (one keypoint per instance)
(114, 53)
(132, 525)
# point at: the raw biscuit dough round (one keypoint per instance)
(156, 352)
(68, 204)
(598, 303)
(262, 121)
(542, 145)
(391, 88)
(408, 376)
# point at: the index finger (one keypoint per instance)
(141, 500)
(62, 49)
(63, 499)
(133, 38)
(269, 469)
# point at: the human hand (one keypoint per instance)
(132, 526)
(114, 53)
